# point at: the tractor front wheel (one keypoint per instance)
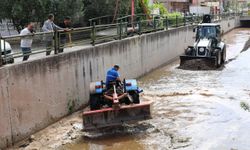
(224, 55)
(94, 102)
(218, 59)
(189, 51)
(136, 97)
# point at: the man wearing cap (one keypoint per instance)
(112, 76)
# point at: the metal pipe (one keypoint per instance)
(4, 48)
(93, 35)
(132, 12)
(1, 59)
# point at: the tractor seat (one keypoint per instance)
(112, 83)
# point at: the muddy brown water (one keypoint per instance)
(200, 110)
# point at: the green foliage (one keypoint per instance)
(20, 11)
(164, 12)
(24, 11)
(227, 6)
(232, 6)
(62, 8)
(71, 106)
(97, 8)
(161, 7)
(248, 5)
(138, 7)
(174, 14)
(146, 4)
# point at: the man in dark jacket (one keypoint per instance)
(66, 24)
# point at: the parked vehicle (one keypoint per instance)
(7, 55)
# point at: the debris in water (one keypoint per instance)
(169, 94)
(246, 46)
(245, 106)
(206, 94)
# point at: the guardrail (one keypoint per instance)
(59, 40)
(101, 20)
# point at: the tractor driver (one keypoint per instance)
(113, 76)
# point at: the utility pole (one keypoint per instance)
(132, 12)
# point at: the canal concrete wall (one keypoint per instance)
(229, 24)
(37, 93)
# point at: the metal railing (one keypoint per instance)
(57, 41)
(107, 19)
(101, 20)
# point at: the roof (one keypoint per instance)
(208, 24)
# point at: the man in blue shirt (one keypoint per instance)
(112, 76)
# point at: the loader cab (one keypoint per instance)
(207, 19)
(209, 31)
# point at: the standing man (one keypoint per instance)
(50, 26)
(26, 41)
(66, 24)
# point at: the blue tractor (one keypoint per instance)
(115, 104)
(126, 92)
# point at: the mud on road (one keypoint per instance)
(203, 110)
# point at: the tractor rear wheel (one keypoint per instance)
(3, 61)
(94, 102)
(12, 60)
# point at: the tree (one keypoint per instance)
(62, 8)
(20, 12)
(162, 9)
(97, 8)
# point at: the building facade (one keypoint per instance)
(177, 5)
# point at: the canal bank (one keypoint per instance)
(38, 93)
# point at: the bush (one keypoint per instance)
(161, 7)
(174, 14)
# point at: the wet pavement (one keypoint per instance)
(203, 110)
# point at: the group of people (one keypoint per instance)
(48, 26)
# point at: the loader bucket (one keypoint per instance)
(197, 63)
(108, 117)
